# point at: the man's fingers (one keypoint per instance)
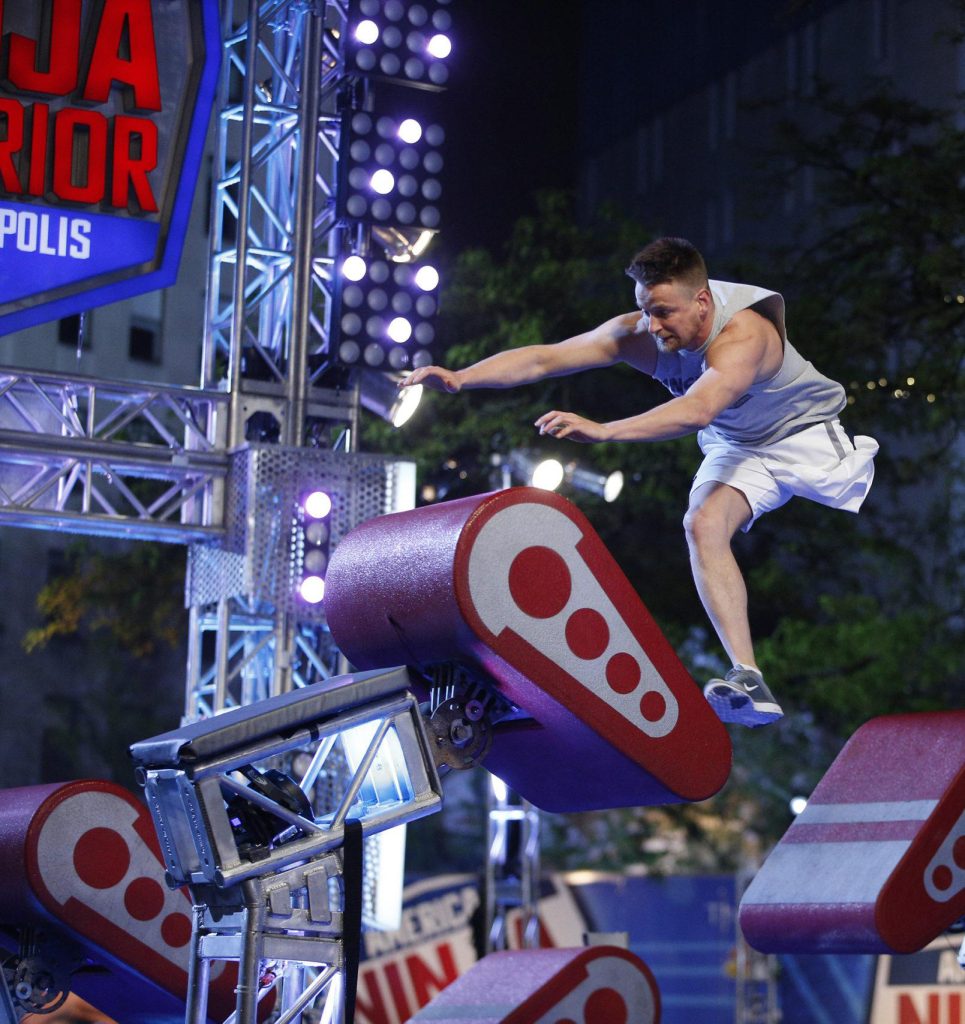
(552, 423)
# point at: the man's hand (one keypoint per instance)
(436, 378)
(572, 427)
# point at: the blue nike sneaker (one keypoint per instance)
(742, 696)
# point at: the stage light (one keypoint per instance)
(353, 268)
(399, 330)
(408, 43)
(410, 131)
(606, 485)
(547, 474)
(397, 160)
(366, 32)
(385, 319)
(317, 504)
(499, 789)
(312, 589)
(403, 245)
(380, 393)
(439, 46)
(427, 278)
(311, 541)
(382, 181)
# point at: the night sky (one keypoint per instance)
(509, 114)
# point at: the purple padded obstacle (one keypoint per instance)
(596, 985)
(876, 861)
(81, 859)
(518, 587)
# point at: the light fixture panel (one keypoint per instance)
(399, 40)
(384, 179)
(385, 319)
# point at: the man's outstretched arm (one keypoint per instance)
(733, 364)
(602, 346)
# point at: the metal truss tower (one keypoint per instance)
(274, 238)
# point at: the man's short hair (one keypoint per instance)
(669, 259)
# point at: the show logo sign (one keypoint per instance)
(404, 970)
(104, 109)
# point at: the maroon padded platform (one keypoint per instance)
(517, 586)
(83, 858)
(594, 985)
(876, 861)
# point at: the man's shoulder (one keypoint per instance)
(746, 324)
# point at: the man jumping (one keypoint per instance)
(766, 422)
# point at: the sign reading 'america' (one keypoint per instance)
(104, 108)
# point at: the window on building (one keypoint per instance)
(68, 328)
(142, 342)
(144, 332)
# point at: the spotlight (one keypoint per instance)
(397, 161)
(384, 320)
(547, 474)
(317, 504)
(427, 278)
(366, 32)
(403, 245)
(439, 46)
(399, 330)
(404, 42)
(382, 181)
(410, 131)
(353, 268)
(797, 804)
(606, 485)
(312, 589)
(380, 393)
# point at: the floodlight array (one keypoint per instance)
(405, 42)
(388, 170)
(384, 298)
(384, 313)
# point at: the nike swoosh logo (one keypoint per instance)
(754, 687)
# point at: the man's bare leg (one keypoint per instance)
(716, 513)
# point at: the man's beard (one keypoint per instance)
(667, 345)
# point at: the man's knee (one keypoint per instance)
(715, 514)
(704, 526)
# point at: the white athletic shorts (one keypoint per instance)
(821, 463)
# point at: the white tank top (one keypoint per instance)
(796, 397)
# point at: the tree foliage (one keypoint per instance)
(135, 599)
